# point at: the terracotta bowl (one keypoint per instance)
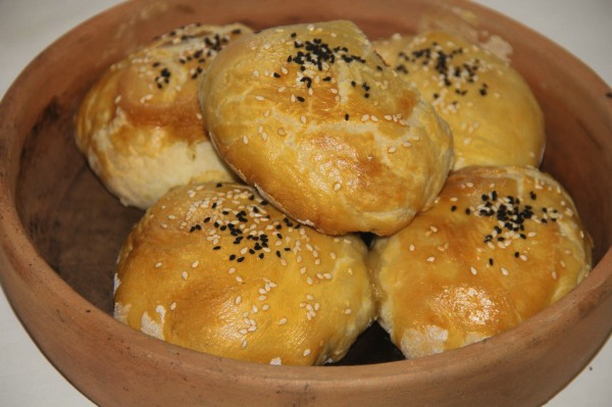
(60, 230)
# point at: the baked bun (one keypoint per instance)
(213, 267)
(498, 246)
(494, 117)
(355, 147)
(140, 125)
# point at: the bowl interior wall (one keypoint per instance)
(78, 226)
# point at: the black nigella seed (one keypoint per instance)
(232, 257)
(453, 208)
(216, 247)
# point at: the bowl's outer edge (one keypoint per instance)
(113, 364)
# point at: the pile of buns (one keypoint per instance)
(260, 156)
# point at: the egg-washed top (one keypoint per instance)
(493, 114)
(153, 88)
(215, 268)
(355, 144)
(499, 245)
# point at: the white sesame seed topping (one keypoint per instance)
(391, 150)
(238, 300)
(260, 98)
(337, 186)
(282, 321)
(411, 247)
(504, 271)
(158, 264)
(276, 361)
(184, 275)
(431, 259)
(245, 139)
(306, 352)
(554, 275)
(303, 119)
(195, 264)
(473, 270)
(173, 306)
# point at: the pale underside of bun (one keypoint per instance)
(468, 269)
(140, 125)
(215, 268)
(347, 147)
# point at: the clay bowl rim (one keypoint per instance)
(23, 258)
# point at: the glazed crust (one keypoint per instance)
(494, 117)
(215, 268)
(140, 125)
(468, 269)
(313, 118)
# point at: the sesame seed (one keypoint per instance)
(245, 139)
(391, 150)
(282, 321)
(184, 275)
(431, 259)
(306, 352)
(276, 361)
(260, 98)
(411, 247)
(337, 186)
(473, 270)
(504, 271)
(238, 300)
(158, 264)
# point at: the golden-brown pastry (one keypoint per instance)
(140, 125)
(215, 268)
(494, 117)
(500, 244)
(311, 117)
